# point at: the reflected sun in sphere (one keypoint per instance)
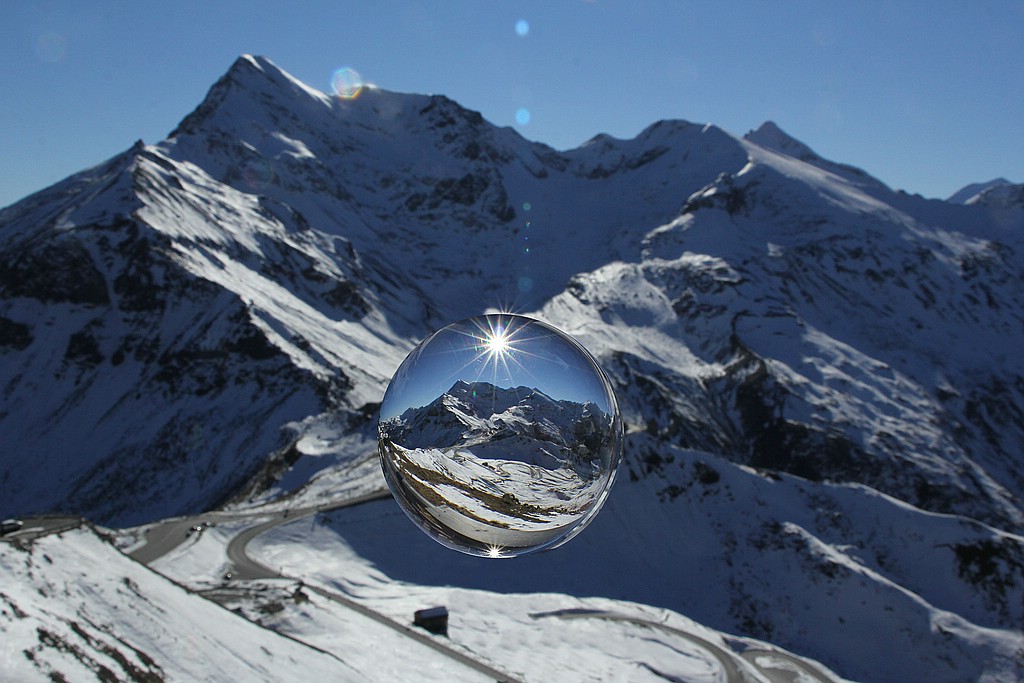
(497, 343)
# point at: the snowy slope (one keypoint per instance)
(821, 377)
(73, 608)
(856, 580)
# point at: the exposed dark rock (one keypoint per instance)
(345, 295)
(996, 566)
(14, 335)
(83, 349)
(59, 271)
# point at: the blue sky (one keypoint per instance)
(534, 357)
(928, 96)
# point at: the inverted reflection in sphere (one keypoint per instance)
(499, 435)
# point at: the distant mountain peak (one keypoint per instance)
(770, 136)
(968, 194)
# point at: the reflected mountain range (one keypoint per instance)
(518, 423)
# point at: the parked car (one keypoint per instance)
(9, 526)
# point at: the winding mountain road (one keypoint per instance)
(34, 527)
(164, 537)
(161, 538)
(792, 669)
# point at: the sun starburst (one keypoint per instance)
(497, 342)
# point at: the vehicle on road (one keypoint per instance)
(9, 526)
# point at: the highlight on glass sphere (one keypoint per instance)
(499, 435)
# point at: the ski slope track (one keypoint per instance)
(822, 381)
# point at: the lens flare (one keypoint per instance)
(522, 116)
(257, 174)
(522, 28)
(51, 47)
(346, 83)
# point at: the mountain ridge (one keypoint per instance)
(478, 415)
(970, 191)
(191, 317)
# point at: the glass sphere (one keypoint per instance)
(499, 435)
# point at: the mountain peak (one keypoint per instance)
(254, 78)
(970, 193)
(770, 136)
(258, 61)
(265, 70)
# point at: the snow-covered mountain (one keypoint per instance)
(821, 377)
(482, 416)
(970, 192)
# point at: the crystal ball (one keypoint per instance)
(499, 435)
